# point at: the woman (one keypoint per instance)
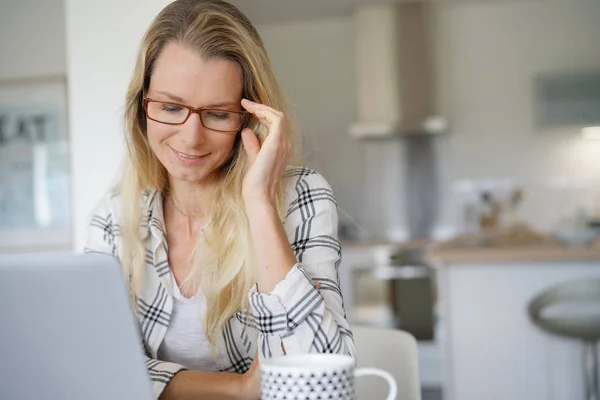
(229, 253)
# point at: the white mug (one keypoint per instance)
(315, 377)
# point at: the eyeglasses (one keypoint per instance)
(177, 114)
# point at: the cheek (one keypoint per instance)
(157, 133)
(225, 145)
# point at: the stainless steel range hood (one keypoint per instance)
(393, 72)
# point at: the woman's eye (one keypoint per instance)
(171, 108)
(221, 116)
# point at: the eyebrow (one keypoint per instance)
(180, 100)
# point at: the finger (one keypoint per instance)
(251, 143)
(266, 115)
(255, 105)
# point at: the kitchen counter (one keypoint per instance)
(482, 294)
(490, 254)
(483, 297)
(371, 244)
(446, 254)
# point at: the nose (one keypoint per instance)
(193, 133)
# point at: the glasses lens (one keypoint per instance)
(221, 120)
(167, 112)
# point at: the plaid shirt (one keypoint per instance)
(298, 313)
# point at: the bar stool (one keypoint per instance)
(573, 323)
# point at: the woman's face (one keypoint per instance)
(191, 152)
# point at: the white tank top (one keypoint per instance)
(185, 342)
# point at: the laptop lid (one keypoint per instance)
(67, 330)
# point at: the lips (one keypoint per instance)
(189, 159)
(187, 155)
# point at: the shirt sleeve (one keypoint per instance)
(103, 237)
(103, 230)
(161, 373)
(305, 313)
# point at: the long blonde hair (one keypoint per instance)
(224, 258)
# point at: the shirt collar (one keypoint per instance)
(155, 220)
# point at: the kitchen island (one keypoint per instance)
(486, 346)
(491, 348)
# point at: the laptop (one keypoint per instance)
(67, 330)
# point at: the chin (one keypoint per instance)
(190, 175)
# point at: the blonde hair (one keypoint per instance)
(224, 258)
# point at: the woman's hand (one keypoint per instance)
(272, 251)
(268, 161)
(251, 381)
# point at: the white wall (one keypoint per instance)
(314, 63)
(487, 54)
(487, 57)
(102, 41)
(32, 38)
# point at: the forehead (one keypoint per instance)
(181, 71)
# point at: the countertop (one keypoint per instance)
(532, 253)
(445, 254)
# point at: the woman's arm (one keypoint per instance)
(297, 304)
(274, 256)
(214, 385)
(292, 315)
(195, 385)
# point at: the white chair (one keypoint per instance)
(394, 351)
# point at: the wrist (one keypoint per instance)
(239, 387)
(243, 386)
(259, 204)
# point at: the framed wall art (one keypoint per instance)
(35, 200)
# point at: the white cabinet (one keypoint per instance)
(492, 350)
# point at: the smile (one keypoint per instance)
(187, 155)
(188, 158)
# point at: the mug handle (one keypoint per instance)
(383, 374)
